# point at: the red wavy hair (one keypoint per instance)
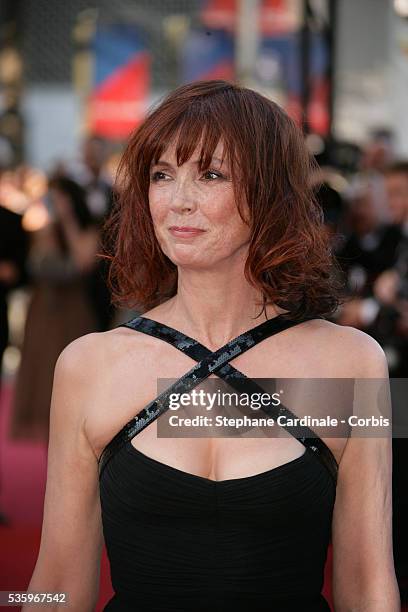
(289, 260)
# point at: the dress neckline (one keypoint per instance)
(177, 472)
(207, 362)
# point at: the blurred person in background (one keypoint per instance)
(391, 293)
(328, 182)
(332, 205)
(369, 248)
(391, 287)
(97, 182)
(377, 155)
(61, 257)
(13, 252)
(94, 178)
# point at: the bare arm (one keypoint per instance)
(71, 539)
(363, 569)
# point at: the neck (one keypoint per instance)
(214, 306)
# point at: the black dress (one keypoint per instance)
(179, 542)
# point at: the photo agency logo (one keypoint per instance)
(304, 408)
(210, 400)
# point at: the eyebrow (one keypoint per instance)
(163, 162)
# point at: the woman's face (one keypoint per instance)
(194, 213)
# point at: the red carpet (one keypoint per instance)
(22, 488)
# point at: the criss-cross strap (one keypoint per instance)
(195, 350)
(216, 362)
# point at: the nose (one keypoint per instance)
(183, 199)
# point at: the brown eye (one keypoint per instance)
(157, 176)
(211, 175)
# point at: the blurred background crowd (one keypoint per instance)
(76, 79)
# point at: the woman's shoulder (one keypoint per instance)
(92, 351)
(355, 352)
(80, 352)
(96, 374)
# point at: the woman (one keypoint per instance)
(62, 255)
(215, 223)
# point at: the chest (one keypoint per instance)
(139, 376)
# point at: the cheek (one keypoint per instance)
(238, 232)
(156, 205)
(230, 221)
(159, 211)
(229, 231)
(219, 206)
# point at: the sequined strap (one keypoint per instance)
(195, 350)
(216, 362)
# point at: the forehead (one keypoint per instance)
(169, 153)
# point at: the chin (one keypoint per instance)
(189, 261)
(184, 255)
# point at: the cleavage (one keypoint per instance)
(220, 459)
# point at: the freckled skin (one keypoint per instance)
(184, 196)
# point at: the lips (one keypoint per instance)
(185, 231)
(186, 228)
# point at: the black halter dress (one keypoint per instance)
(178, 542)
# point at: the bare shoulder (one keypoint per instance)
(80, 353)
(89, 353)
(108, 376)
(86, 366)
(75, 371)
(353, 352)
